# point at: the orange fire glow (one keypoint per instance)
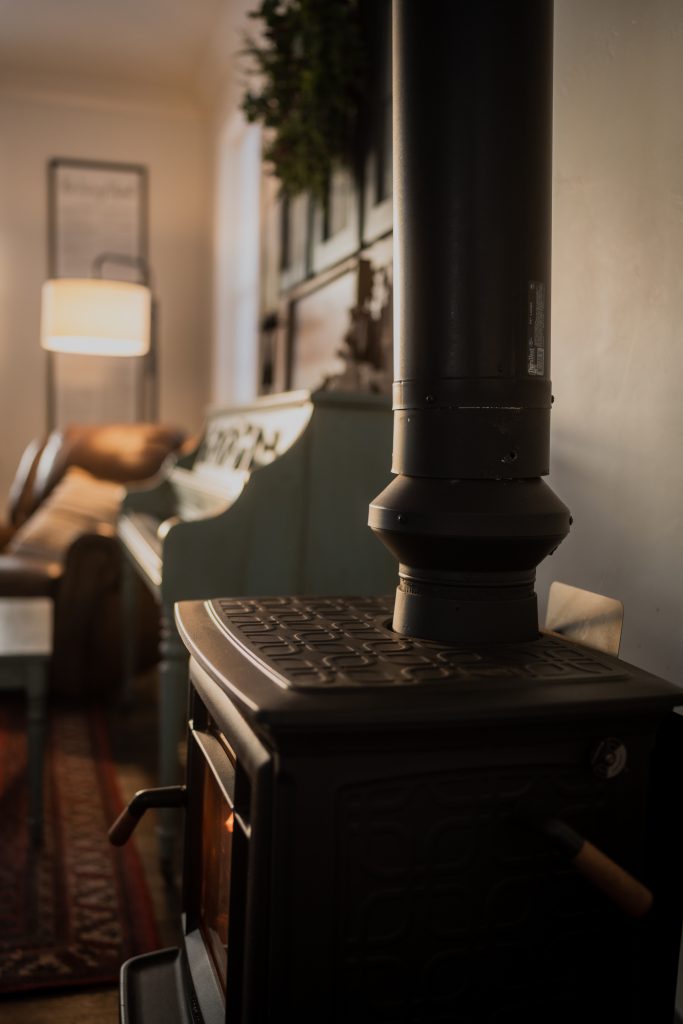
(230, 822)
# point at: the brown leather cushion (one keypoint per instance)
(123, 452)
(7, 531)
(28, 577)
(21, 500)
(78, 505)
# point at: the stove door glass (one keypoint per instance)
(216, 861)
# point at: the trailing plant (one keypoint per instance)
(308, 69)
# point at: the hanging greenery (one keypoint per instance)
(310, 75)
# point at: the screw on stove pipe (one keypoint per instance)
(625, 891)
(162, 796)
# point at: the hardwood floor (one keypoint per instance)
(133, 735)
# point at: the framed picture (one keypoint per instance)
(336, 225)
(295, 241)
(378, 212)
(95, 209)
(319, 320)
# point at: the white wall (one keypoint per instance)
(236, 198)
(236, 268)
(617, 318)
(170, 138)
(617, 424)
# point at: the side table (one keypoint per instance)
(25, 646)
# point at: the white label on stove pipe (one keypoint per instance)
(535, 329)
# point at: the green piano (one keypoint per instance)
(273, 501)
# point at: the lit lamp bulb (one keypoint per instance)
(95, 317)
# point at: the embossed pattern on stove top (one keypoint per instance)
(318, 643)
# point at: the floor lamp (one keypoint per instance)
(99, 316)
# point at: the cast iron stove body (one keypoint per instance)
(387, 860)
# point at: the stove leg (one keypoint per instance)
(173, 683)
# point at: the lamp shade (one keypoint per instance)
(95, 317)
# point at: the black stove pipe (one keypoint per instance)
(468, 516)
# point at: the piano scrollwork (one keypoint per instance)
(273, 501)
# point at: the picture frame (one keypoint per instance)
(95, 208)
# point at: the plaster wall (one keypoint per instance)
(236, 259)
(170, 138)
(617, 316)
(617, 301)
(236, 202)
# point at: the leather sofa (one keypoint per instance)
(60, 541)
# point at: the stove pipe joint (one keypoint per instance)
(468, 516)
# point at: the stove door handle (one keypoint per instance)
(630, 895)
(163, 796)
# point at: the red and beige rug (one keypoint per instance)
(74, 909)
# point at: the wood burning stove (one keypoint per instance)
(373, 829)
(426, 810)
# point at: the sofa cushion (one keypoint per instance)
(123, 452)
(28, 577)
(80, 503)
(21, 500)
(7, 531)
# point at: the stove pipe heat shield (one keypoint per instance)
(468, 517)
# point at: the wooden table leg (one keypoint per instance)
(129, 611)
(173, 691)
(35, 694)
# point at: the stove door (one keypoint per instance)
(215, 872)
(227, 859)
(216, 851)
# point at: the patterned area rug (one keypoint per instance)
(74, 909)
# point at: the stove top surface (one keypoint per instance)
(295, 663)
(328, 642)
